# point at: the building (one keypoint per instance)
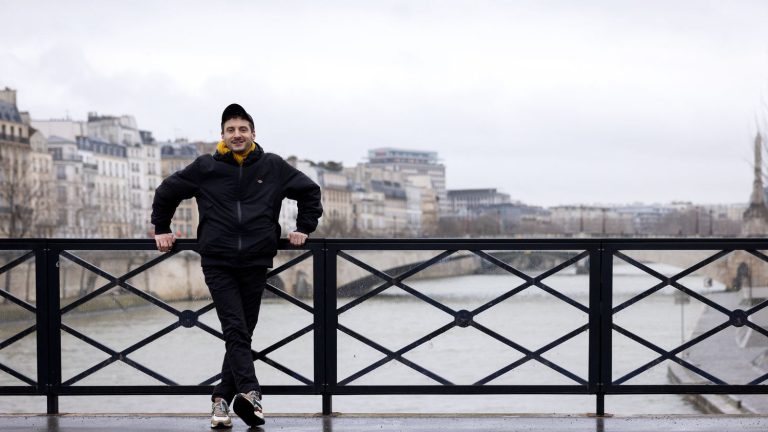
(395, 206)
(107, 165)
(594, 220)
(646, 218)
(121, 166)
(40, 176)
(368, 215)
(121, 130)
(143, 156)
(462, 202)
(26, 174)
(414, 162)
(289, 208)
(174, 157)
(72, 216)
(337, 202)
(422, 207)
(410, 203)
(67, 129)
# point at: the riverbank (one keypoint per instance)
(105, 302)
(731, 355)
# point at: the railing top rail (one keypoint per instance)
(610, 244)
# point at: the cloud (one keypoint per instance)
(552, 101)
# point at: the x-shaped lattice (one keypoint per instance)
(27, 331)
(187, 318)
(736, 317)
(462, 318)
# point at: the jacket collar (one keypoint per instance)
(229, 158)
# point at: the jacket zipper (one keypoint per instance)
(239, 211)
(239, 221)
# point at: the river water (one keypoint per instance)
(532, 318)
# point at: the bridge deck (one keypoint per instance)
(357, 423)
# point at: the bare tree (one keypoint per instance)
(450, 227)
(18, 193)
(332, 227)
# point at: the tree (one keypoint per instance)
(332, 227)
(19, 191)
(450, 226)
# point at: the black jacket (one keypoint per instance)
(239, 205)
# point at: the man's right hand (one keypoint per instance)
(164, 241)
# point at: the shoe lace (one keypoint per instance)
(255, 399)
(221, 408)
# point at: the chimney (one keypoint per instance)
(8, 95)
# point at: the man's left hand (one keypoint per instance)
(296, 238)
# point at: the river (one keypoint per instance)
(393, 319)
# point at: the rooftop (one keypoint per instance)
(388, 155)
(9, 112)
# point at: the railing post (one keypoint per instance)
(48, 323)
(54, 333)
(318, 271)
(330, 324)
(606, 325)
(41, 311)
(595, 382)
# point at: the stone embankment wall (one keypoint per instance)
(180, 277)
(736, 270)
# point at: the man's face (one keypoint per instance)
(238, 135)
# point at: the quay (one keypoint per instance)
(386, 423)
(735, 354)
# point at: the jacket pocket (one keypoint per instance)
(261, 241)
(215, 236)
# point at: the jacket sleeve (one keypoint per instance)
(175, 188)
(297, 186)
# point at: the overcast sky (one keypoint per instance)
(553, 102)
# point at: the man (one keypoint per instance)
(239, 191)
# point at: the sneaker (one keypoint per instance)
(248, 407)
(220, 415)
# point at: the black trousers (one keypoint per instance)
(236, 293)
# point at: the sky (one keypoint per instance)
(552, 102)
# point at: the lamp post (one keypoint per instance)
(698, 212)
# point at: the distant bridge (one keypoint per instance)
(351, 283)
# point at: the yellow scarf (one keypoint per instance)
(239, 158)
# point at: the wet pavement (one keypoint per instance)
(357, 423)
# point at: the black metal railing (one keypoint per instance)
(596, 255)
